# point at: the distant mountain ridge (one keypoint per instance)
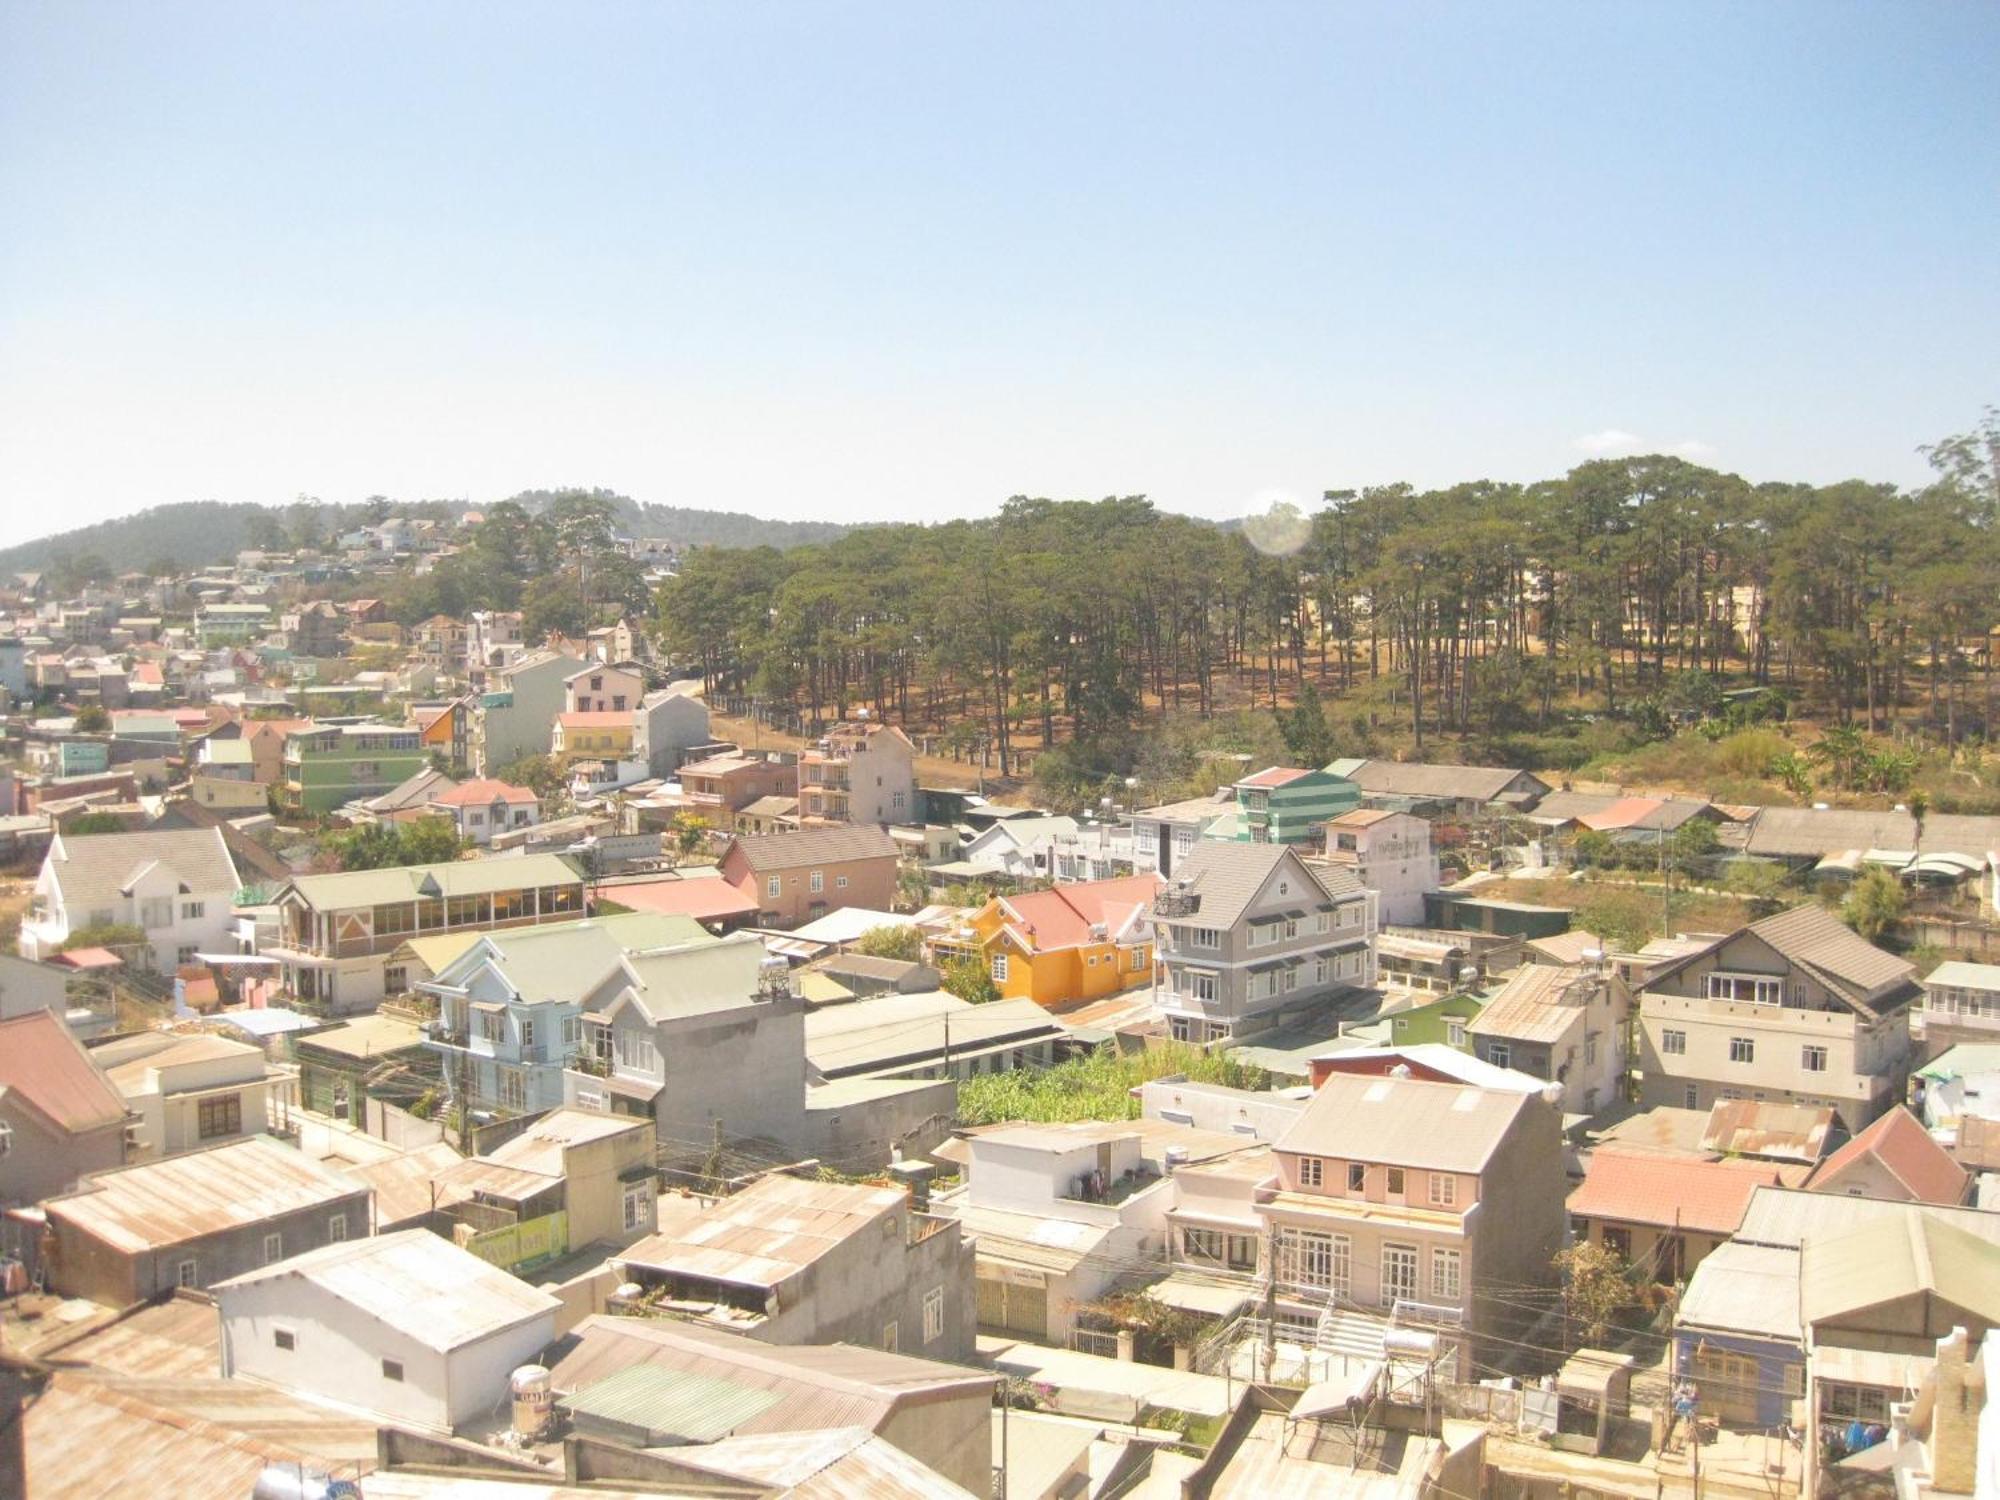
(192, 533)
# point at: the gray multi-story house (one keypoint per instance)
(665, 726)
(706, 1038)
(516, 716)
(510, 1006)
(1249, 932)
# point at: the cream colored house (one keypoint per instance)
(1794, 1008)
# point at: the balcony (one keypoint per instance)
(1094, 1187)
(589, 1064)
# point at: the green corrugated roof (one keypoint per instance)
(474, 877)
(566, 961)
(670, 1406)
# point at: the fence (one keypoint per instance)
(1093, 1341)
(517, 1245)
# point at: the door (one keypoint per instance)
(1011, 1307)
(1399, 1274)
(1728, 1385)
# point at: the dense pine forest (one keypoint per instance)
(1538, 622)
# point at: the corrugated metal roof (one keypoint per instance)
(1763, 1127)
(1531, 1006)
(416, 1282)
(42, 1063)
(821, 1385)
(670, 1406)
(1415, 779)
(1812, 935)
(1408, 1122)
(1895, 1258)
(540, 1147)
(85, 1441)
(473, 877)
(403, 1184)
(764, 1235)
(811, 846)
(183, 1198)
(1791, 1216)
(1747, 1289)
(843, 1463)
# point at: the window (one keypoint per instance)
(513, 1089)
(1691, 1097)
(1446, 1282)
(840, 882)
(489, 1025)
(635, 1207)
(816, 882)
(1756, 989)
(572, 1033)
(1454, 1033)
(1309, 1257)
(191, 911)
(889, 1337)
(392, 1369)
(1357, 1177)
(274, 1248)
(187, 1273)
(1395, 1183)
(1201, 984)
(156, 911)
(1138, 960)
(1813, 1059)
(336, 1229)
(1312, 1171)
(1204, 937)
(1399, 1274)
(184, 954)
(1500, 1054)
(395, 979)
(219, 1116)
(1444, 1189)
(774, 886)
(999, 968)
(1742, 1049)
(1673, 1043)
(933, 1315)
(285, 1339)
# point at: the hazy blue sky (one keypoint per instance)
(875, 261)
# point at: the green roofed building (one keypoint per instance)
(331, 765)
(1287, 805)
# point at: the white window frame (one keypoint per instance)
(997, 969)
(1447, 1275)
(1673, 1041)
(816, 881)
(1312, 1171)
(1743, 1050)
(933, 1315)
(1813, 1057)
(634, 1207)
(274, 1247)
(1444, 1189)
(336, 1229)
(775, 886)
(1726, 984)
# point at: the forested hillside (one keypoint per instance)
(693, 528)
(1540, 623)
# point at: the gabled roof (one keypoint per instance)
(1672, 1192)
(566, 962)
(1894, 1258)
(700, 897)
(1534, 1005)
(1902, 1147)
(181, 1198)
(470, 877)
(416, 1282)
(1406, 1122)
(1065, 916)
(1228, 876)
(1413, 779)
(43, 1064)
(482, 792)
(692, 978)
(1815, 938)
(769, 852)
(97, 870)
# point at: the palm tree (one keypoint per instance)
(1841, 749)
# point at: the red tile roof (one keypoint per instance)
(482, 792)
(1063, 917)
(702, 898)
(1669, 1192)
(44, 1064)
(1275, 776)
(1906, 1151)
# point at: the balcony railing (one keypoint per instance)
(590, 1064)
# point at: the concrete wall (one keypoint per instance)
(857, 1134)
(953, 1436)
(336, 1354)
(45, 1161)
(478, 1372)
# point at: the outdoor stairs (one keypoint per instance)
(1345, 1331)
